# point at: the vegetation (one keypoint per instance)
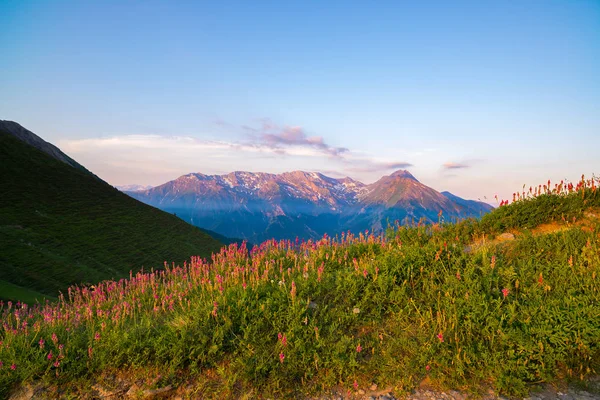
(289, 319)
(61, 226)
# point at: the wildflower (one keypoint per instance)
(284, 341)
(281, 357)
(458, 276)
(13, 367)
(427, 367)
(493, 262)
(355, 310)
(97, 336)
(440, 337)
(505, 292)
(355, 384)
(541, 280)
(293, 291)
(215, 308)
(358, 348)
(54, 338)
(90, 351)
(50, 355)
(41, 342)
(56, 364)
(365, 273)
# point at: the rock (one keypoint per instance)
(103, 392)
(24, 393)
(506, 236)
(147, 394)
(133, 391)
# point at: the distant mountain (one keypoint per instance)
(133, 188)
(60, 225)
(259, 206)
(470, 206)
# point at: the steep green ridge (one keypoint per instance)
(61, 226)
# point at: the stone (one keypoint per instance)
(506, 236)
(24, 393)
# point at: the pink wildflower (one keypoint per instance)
(281, 357)
(41, 342)
(427, 367)
(505, 292)
(97, 336)
(13, 367)
(355, 384)
(50, 355)
(358, 348)
(440, 337)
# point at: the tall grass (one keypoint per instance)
(294, 318)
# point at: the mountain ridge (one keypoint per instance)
(60, 225)
(258, 206)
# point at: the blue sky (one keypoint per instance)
(475, 97)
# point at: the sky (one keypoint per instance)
(474, 97)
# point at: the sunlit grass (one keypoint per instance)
(290, 318)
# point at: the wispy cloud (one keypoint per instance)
(153, 159)
(280, 139)
(455, 165)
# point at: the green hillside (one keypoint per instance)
(61, 226)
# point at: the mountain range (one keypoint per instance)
(133, 188)
(261, 206)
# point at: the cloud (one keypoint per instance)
(455, 165)
(281, 139)
(264, 146)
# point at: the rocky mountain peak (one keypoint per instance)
(402, 173)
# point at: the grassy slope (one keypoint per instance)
(60, 226)
(393, 312)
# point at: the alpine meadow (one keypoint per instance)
(299, 199)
